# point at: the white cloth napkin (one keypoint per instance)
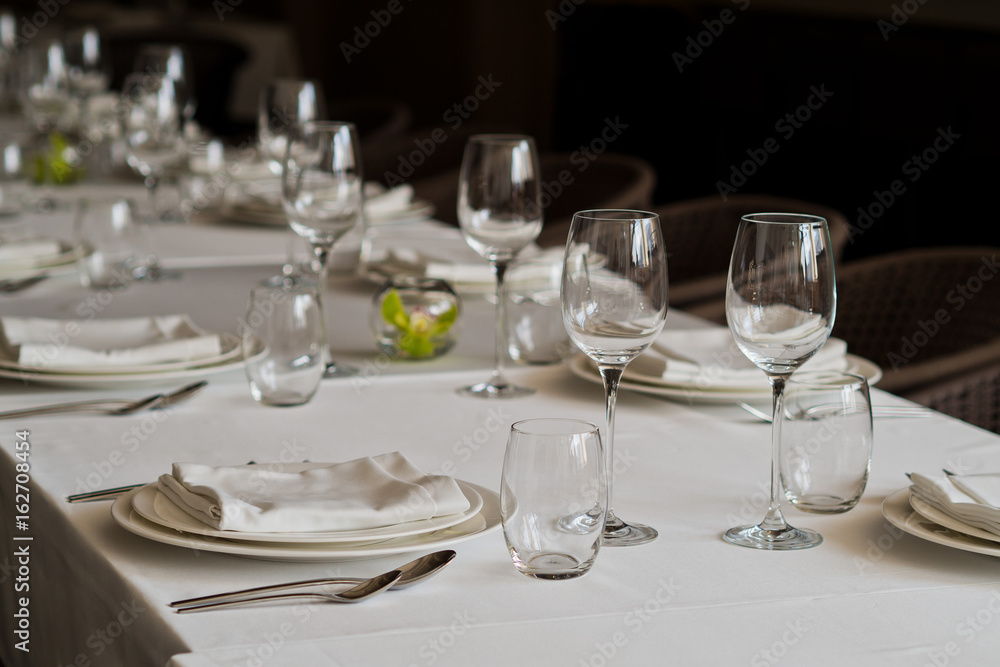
(365, 493)
(969, 499)
(27, 252)
(67, 344)
(708, 358)
(380, 202)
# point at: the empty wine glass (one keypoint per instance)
(500, 212)
(614, 304)
(44, 89)
(170, 60)
(322, 194)
(781, 301)
(283, 107)
(153, 140)
(87, 66)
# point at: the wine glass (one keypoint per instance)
(499, 212)
(614, 304)
(322, 194)
(44, 87)
(170, 60)
(781, 302)
(283, 107)
(153, 139)
(88, 68)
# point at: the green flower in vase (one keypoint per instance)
(56, 164)
(419, 328)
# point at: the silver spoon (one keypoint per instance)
(412, 573)
(362, 591)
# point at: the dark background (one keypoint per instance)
(566, 68)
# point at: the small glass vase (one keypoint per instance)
(414, 317)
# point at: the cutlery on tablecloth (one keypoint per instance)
(114, 407)
(366, 589)
(412, 573)
(877, 411)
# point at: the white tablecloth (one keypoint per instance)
(869, 595)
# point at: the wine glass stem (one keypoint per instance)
(612, 376)
(774, 520)
(321, 253)
(499, 270)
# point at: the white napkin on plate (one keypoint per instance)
(708, 358)
(365, 493)
(380, 202)
(27, 252)
(970, 499)
(66, 344)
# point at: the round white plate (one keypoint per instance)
(898, 511)
(486, 521)
(120, 380)
(232, 348)
(158, 508)
(581, 366)
(64, 259)
(939, 517)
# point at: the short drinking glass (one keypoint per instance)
(553, 497)
(107, 228)
(283, 344)
(826, 441)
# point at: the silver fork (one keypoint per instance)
(820, 410)
(110, 406)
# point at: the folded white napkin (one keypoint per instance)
(380, 202)
(709, 358)
(65, 344)
(28, 251)
(365, 493)
(970, 499)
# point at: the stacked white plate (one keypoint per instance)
(229, 356)
(712, 369)
(39, 256)
(150, 514)
(915, 517)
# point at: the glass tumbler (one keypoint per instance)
(535, 330)
(106, 228)
(283, 344)
(826, 441)
(553, 497)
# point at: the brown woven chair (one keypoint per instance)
(699, 235)
(973, 397)
(923, 315)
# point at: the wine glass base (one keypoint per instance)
(491, 390)
(155, 273)
(787, 539)
(621, 534)
(337, 370)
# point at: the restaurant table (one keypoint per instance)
(870, 594)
